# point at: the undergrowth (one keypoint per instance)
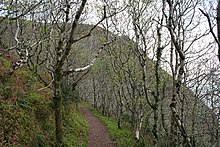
(76, 127)
(26, 115)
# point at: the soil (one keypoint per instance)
(98, 133)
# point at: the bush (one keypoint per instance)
(69, 93)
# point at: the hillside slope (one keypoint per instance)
(115, 84)
(115, 87)
(26, 114)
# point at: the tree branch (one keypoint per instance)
(90, 31)
(71, 38)
(48, 84)
(65, 73)
(211, 30)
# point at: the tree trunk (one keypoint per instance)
(194, 120)
(119, 119)
(157, 96)
(120, 114)
(140, 120)
(155, 126)
(57, 99)
(94, 93)
(218, 27)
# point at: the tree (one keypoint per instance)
(218, 26)
(14, 14)
(54, 37)
(67, 31)
(212, 24)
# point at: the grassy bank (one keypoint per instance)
(26, 114)
(76, 127)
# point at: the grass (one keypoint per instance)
(75, 127)
(122, 137)
(5, 62)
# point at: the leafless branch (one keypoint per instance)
(211, 30)
(51, 82)
(90, 64)
(94, 26)
(210, 26)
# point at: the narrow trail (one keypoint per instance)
(98, 133)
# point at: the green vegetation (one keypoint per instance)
(26, 115)
(122, 137)
(76, 127)
(4, 63)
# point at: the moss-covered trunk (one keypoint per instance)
(57, 100)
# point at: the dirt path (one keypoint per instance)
(98, 133)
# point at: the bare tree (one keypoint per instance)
(212, 24)
(218, 26)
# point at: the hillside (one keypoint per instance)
(26, 114)
(114, 86)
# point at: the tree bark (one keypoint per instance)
(57, 99)
(94, 93)
(218, 27)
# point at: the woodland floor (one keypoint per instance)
(98, 133)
